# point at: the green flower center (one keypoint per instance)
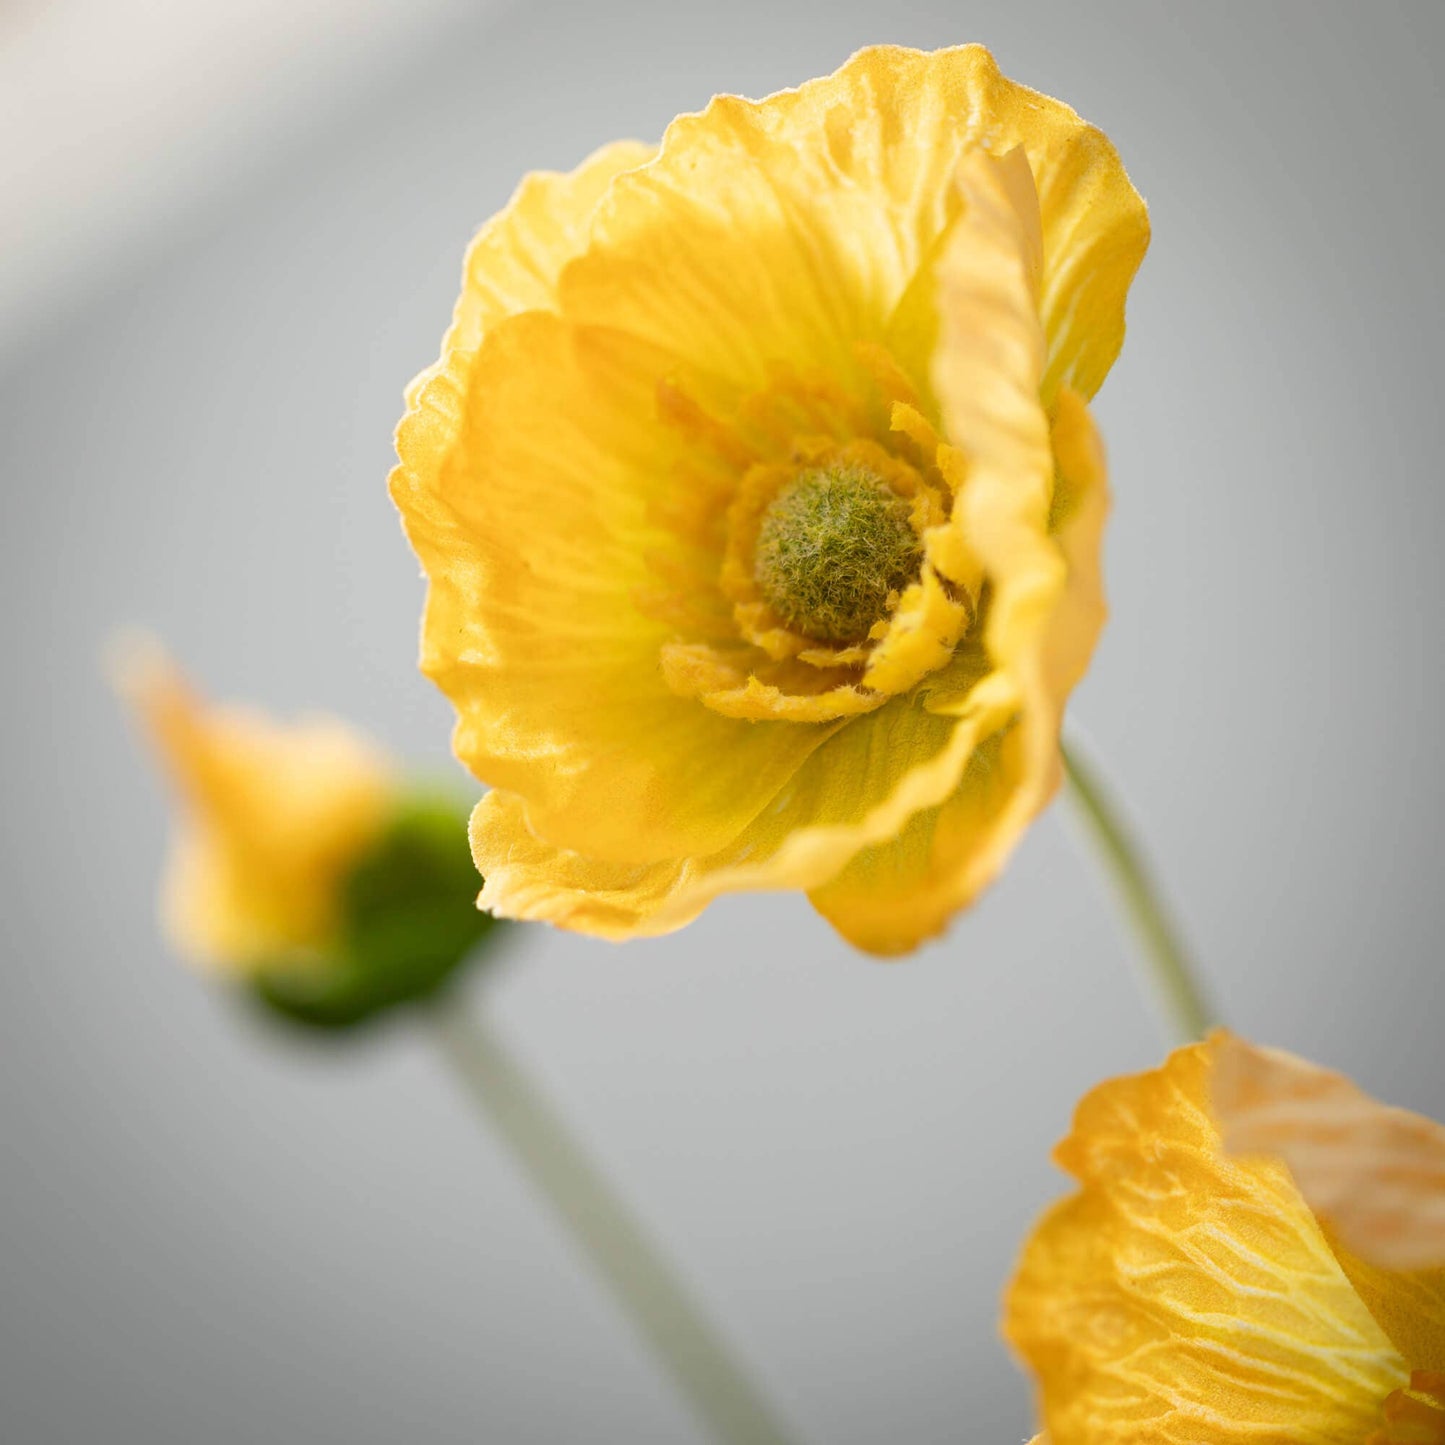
(832, 545)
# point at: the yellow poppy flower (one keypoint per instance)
(1256, 1254)
(760, 503)
(275, 819)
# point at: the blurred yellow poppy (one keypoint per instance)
(304, 867)
(274, 816)
(760, 503)
(1256, 1254)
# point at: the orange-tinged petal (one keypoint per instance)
(1183, 1295)
(1373, 1175)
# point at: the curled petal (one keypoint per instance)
(1047, 605)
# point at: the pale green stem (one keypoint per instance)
(1169, 967)
(667, 1318)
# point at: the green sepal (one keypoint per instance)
(410, 922)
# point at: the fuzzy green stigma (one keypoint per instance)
(832, 545)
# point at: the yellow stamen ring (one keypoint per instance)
(885, 496)
(847, 581)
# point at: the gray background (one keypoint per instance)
(208, 1233)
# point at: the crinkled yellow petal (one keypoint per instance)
(894, 895)
(275, 816)
(514, 260)
(817, 208)
(1373, 1175)
(531, 879)
(1183, 1295)
(849, 794)
(511, 266)
(534, 526)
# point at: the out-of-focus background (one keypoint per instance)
(229, 233)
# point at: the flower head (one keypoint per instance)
(1256, 1254)
(303, 866)
(760, 503)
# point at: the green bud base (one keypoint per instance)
(411, 921)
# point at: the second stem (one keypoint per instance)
(601, 1224)
(1170, 969)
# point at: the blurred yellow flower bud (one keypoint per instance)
(303, 865)
(273, 816)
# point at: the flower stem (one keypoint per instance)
(1172, 974)
(643, 1284)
